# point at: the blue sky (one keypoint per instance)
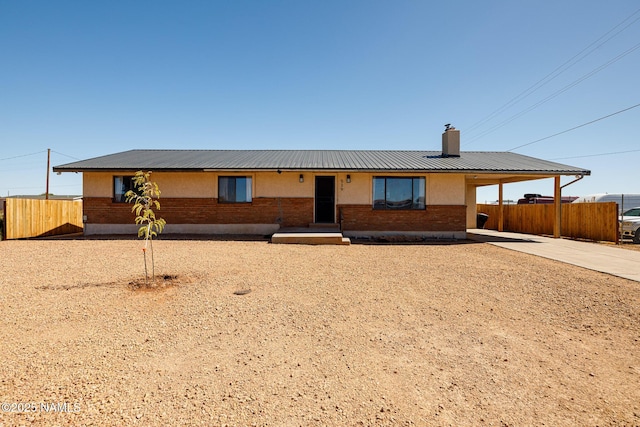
(87, 79)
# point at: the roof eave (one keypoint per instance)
(338, 170)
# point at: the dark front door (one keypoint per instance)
(325, 199)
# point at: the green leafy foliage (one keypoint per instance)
(145, 200)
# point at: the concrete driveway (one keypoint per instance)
(606, 259)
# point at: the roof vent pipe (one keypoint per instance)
(450, 142)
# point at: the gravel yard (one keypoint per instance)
(459, 334)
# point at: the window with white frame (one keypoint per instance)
(234, 189)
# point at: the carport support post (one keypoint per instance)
(557, 202)
(500, 208)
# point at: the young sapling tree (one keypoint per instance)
(145, 200)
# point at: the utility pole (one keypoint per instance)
(46, 194)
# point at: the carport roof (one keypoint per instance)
(475, 162)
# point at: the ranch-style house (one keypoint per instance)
(365, 193)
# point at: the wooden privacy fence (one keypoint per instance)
(25, 218)
(591, 221)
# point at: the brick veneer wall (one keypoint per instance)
(288, 212)
(433, 218)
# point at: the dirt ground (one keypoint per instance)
(631, 246)
(247, 333)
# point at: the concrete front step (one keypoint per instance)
(325, 227)
(310, 238)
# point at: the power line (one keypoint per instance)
(24, 155)
(39, 152)
(576, 127)
(557, 72)
(597, 155)
(66, 155)
(24, 188)
(558, 92)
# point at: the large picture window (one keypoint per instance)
(398, 193)
(234, 189)
(122, 184)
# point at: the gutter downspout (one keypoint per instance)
(578, 178)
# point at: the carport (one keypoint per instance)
(481, 180)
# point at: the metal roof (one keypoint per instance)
(334, 160)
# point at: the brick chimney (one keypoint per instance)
(451, 142)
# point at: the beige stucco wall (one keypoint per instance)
(441, 189)
(187, 184)
(285, 184)
(446, 189)
(356, 192)
(171, 184)
(97, 184)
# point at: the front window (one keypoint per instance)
(234, 189)
(398, 193)
(122, 184)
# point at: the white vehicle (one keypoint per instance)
(630, 223)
